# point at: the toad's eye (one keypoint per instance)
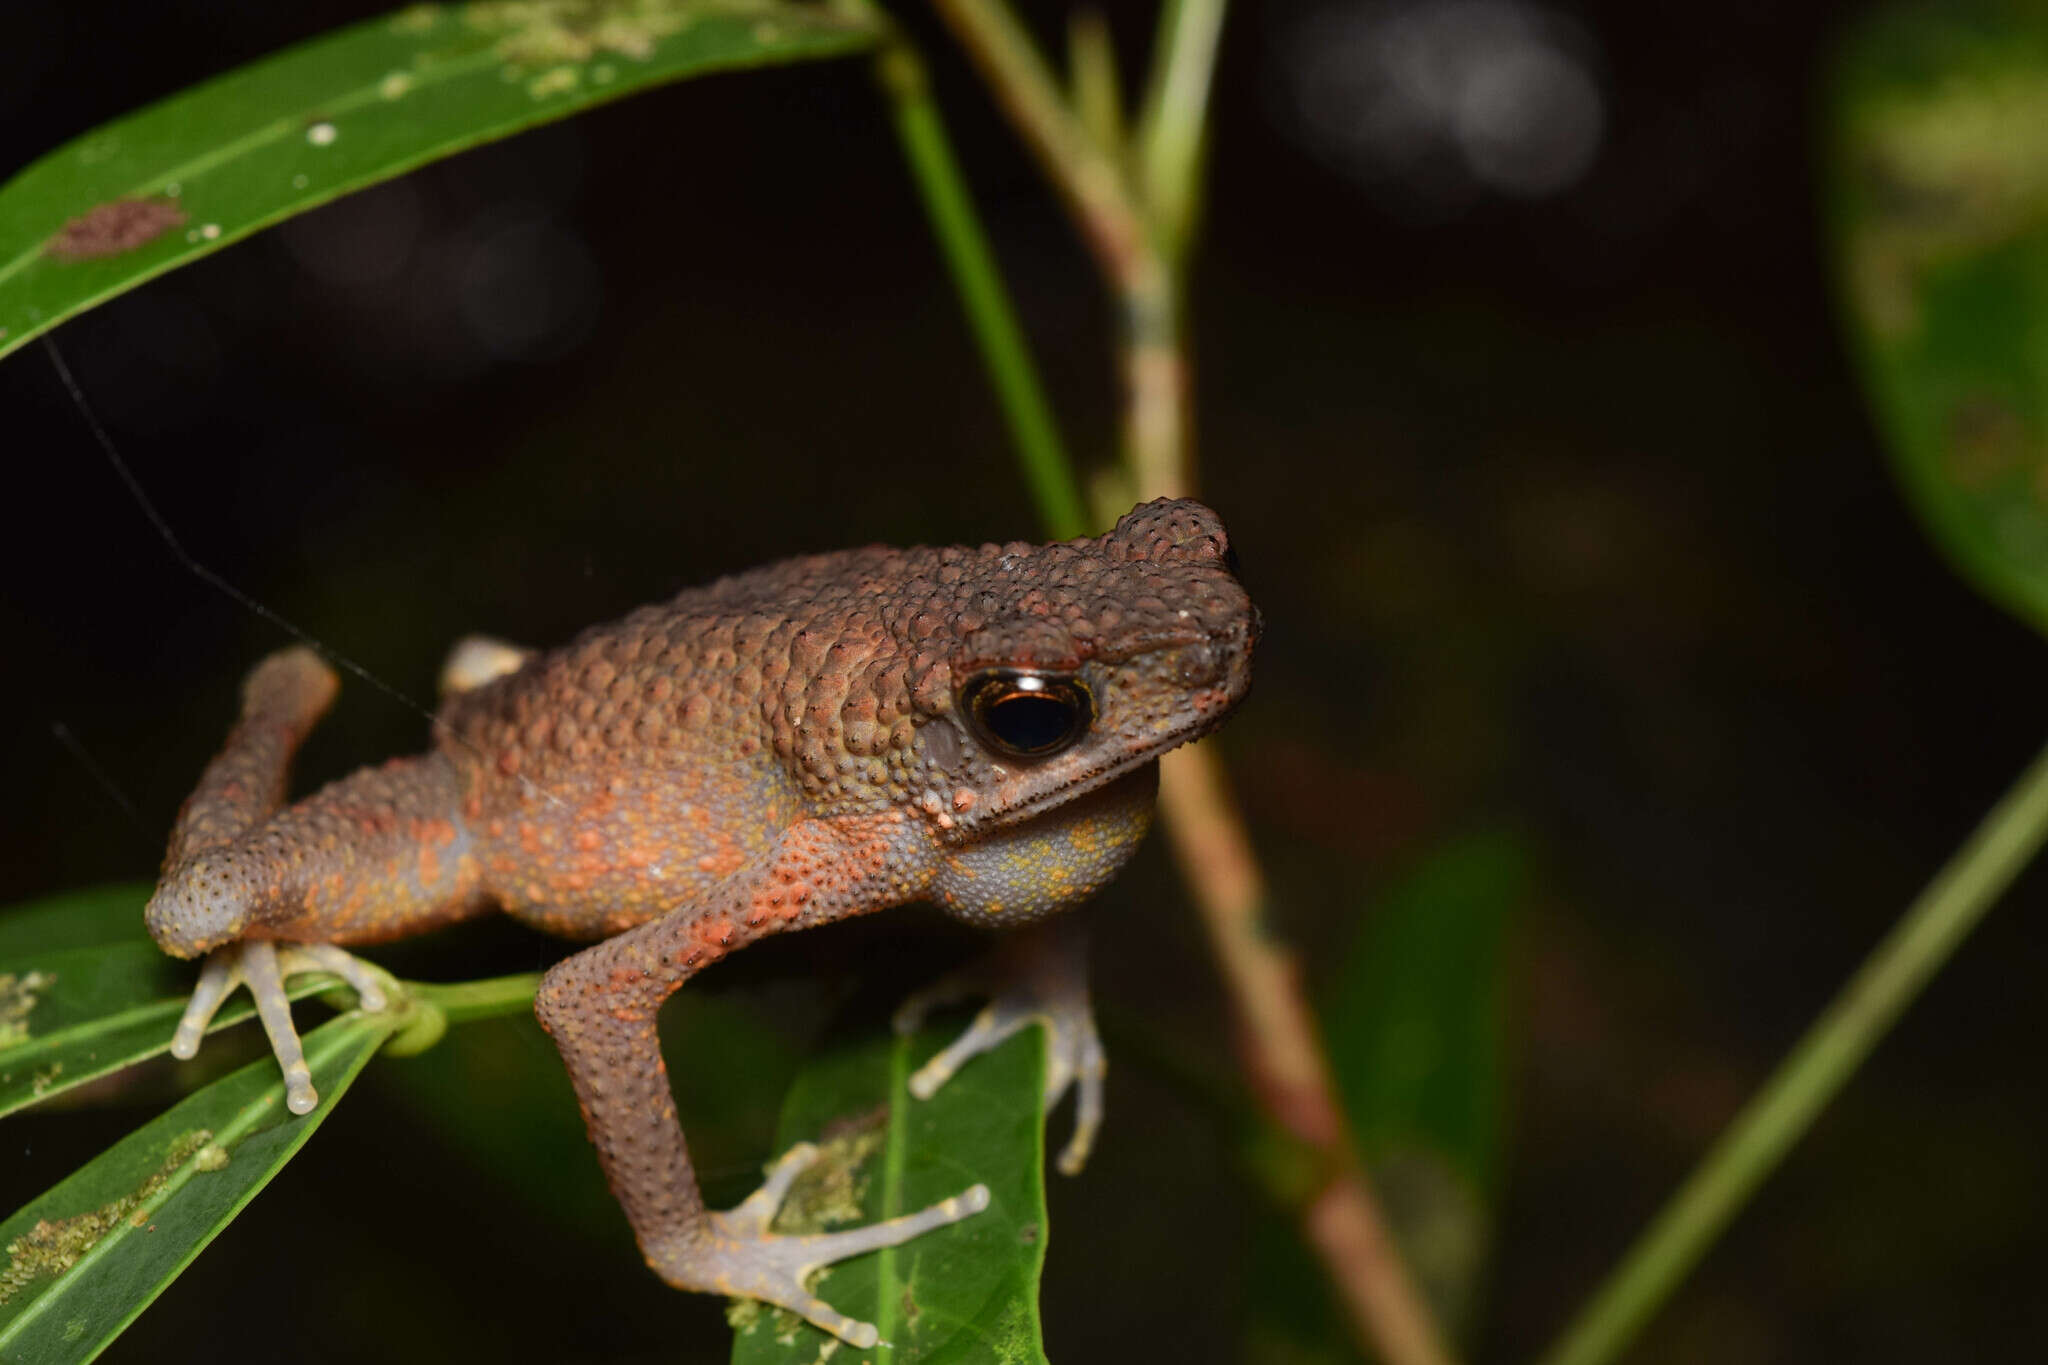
(1026, 715)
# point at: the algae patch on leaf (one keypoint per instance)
(18, 997)
(543, 32)
(831, 1191)
(53, 1246)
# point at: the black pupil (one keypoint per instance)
(1030, 721)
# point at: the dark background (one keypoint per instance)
(1563, 510)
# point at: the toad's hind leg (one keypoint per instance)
(600, 1007)
(373, 855)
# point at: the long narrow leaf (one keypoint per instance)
(966, 1293)
(72, 1016)
(74, 919)
(93, 1252)
(192, 173)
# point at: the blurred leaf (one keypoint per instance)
(966, 1293)
(519, 1125)
(1292, 1316)
(1414, 1017)
(1939, 211)
(93, 1252)
(72, 1016)
(206, 167)
(75, 919)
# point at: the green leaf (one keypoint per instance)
(85, 1258)
(1938, 176)
(74, 919)
(966, 1293)
(192, 173)
(72, 1016)
(1415, 1017)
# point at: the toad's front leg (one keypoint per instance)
(265, 895)
(600, 1008)
(1034, 975)
(264, 966)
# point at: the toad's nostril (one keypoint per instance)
(1198, 665)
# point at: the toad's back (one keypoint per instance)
(617, 777)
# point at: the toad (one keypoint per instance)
(819, 738)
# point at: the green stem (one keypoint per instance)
(1098, 98)
(1087, 175)
(430, 1009)
(1171, 129)
(467, 1000)
(1813, 1072)
(982, 293)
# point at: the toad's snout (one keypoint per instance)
(199, 906)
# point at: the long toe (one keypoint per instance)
(274, 1008)
(773, 1267)
(371, 983)
(221, 974)
(990, 1028)
(752, 1218)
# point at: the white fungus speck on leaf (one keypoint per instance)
(560, 81)
(321, 134)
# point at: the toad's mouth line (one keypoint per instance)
(966, 831)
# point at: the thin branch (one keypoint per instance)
(1813, 1072)
(1098, 92)
(1127, 248)
(1158, 438)
(1171, 129)
(1086, 174)
(1004, 354)
(1144, 265)
(1283, 1055)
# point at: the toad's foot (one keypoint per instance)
(263, 966)
(740, 1256)
(1038, 976)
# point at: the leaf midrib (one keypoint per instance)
(894, 1156)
